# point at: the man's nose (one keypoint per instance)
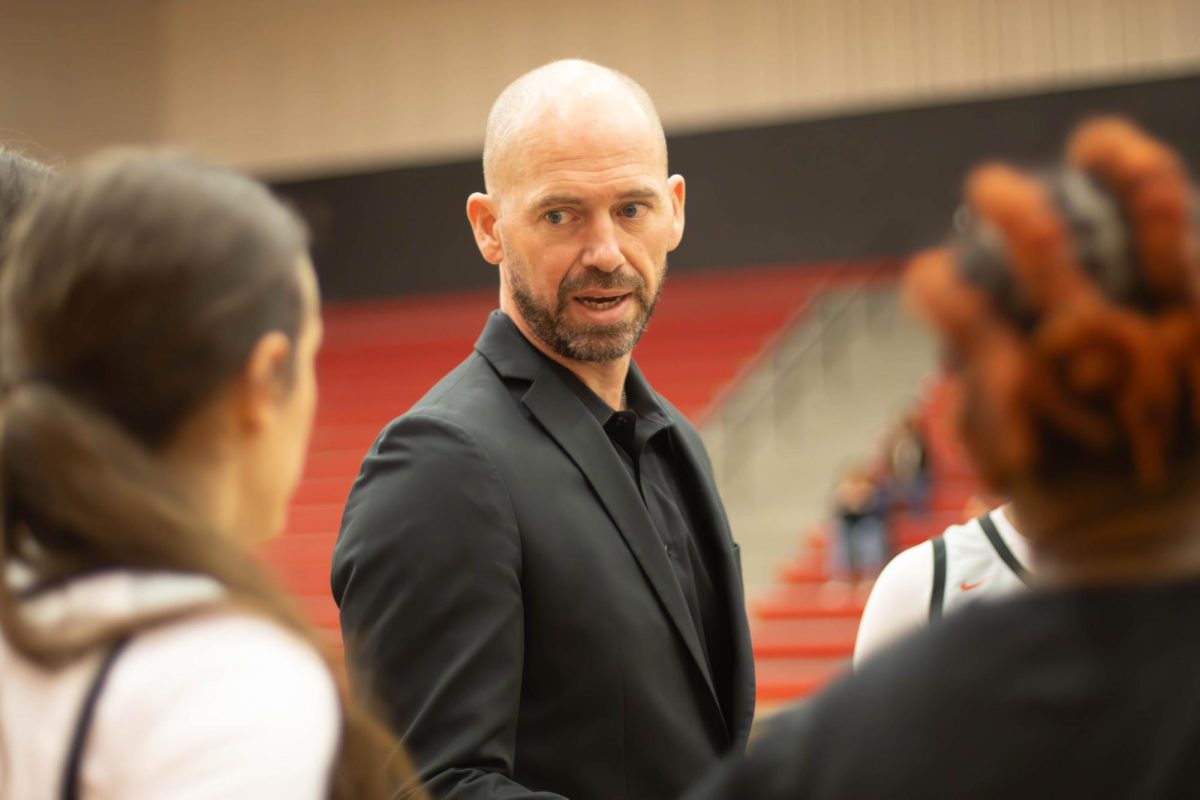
(602, 250)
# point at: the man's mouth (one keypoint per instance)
(601, 302)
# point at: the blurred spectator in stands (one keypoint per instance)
(160, 329)
(906, 479)
(859, 545)
(1071, 305)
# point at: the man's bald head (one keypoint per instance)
(552, 95)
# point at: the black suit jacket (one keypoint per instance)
(503, 589)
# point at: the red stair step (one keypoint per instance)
(779, 679)
(804, 638)
(304, 581)
(333, 463)
(804, 601)
(325, 518)
(299, 549)
(320, 610)
(322, 491)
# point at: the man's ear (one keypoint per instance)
(481, 211)
(677, 189)
(263, 383)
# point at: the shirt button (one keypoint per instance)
(670, 550)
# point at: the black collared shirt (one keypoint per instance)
(643, 436)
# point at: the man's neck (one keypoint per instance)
(606, 379)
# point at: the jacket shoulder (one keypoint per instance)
(471, 402)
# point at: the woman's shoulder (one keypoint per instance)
(233, 697)
(229, 638)
(898, 603)
(223, 650)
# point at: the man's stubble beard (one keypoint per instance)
(585, 342)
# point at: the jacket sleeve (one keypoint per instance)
(427, 577)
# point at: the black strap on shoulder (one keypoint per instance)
(1006, 555)
(938, 595)
(74, 762)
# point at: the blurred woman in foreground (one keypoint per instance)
(160, 320)
(1070, 312)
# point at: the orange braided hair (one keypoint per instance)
(1108, 374)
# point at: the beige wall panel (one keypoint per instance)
(1019, 54)
(1180, 31)
(1187, 31)
(955, 45)
(76, 76)
(297, 85)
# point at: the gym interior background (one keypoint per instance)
(817, 136)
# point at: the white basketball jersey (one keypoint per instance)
(972, 562)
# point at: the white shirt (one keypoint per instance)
(899, 601)
(227, 705)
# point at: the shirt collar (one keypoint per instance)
(503, 344)
(639, 397)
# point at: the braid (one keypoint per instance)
(935, 291)
(1154, 191)
(1158, 203)
(1033, 232)
(1064, 353)
(1179, 335)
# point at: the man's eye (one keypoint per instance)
(632, 210)
(556, 217)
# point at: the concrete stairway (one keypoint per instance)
(822, 400)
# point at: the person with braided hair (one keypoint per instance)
(1069, 307)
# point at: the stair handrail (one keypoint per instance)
(780, 356)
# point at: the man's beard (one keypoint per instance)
(585, 341)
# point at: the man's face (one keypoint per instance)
(586, 219)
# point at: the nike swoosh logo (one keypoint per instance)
(966, 587)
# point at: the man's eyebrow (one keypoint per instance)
(552, 200)
(571, 200)
(640, 193)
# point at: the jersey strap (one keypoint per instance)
(74, 763)
(1006, 555)
(938, 594)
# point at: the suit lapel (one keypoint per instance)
(577, 433)
(742, 712)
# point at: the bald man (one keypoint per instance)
(534, 570)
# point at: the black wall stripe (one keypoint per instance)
(854, 187)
